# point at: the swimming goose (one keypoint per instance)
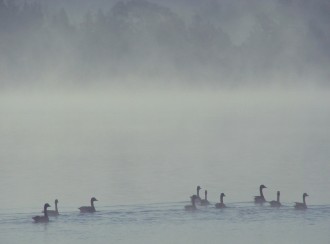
(221, 204)
(89, 209)
(42, 219)
(260, 199)
(277, 202)
(53, 212)
(193, 204)
(197, 197)
(301, 205)
(205, 202)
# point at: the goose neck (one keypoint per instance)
(45, 211)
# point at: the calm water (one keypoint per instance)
(169, 223)
(133, 149)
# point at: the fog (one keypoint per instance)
(141, 147)
(141, 101)
(136, 43)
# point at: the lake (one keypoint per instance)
(142, 154)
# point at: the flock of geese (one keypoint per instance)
(195, 199)
(45, 218)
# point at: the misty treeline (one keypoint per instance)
(218, 42)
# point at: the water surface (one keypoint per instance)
(131, 149)
(170, 223)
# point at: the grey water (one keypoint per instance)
(169, 223)
(142, 154)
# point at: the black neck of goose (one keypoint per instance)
(92, 204)
(56, 207)
(221, 199)
(278, 197)
(45, 211)
(198, 192)
(205, 195)
(261, 194)
(304, 199)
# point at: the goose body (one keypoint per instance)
(53, 212)
(191, 207)
(260, 199)
(88, 209)
(205, 202)
(42, 219)
(277, 202)
(301, 205)
(221, 204)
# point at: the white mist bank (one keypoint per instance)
(157, 146)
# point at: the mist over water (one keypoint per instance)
(142, 155)
(138, 102)
(156, 146)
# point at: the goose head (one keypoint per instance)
(93, 199)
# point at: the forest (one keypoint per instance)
(216, 43)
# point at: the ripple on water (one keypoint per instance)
(169, 222)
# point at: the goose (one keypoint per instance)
(205, 202)
(53, 212)
(260, 199)
(197, 197)
(301, 205)
(221, 204)
(42, 219)
(193, 204)
(89, 209)
(277, 202)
